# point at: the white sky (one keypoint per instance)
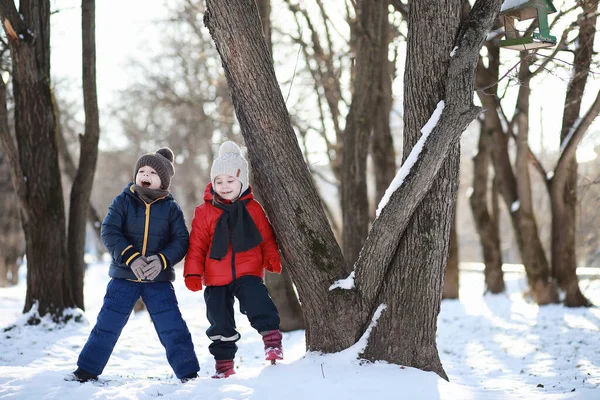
(126, 31)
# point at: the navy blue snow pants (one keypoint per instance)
(121, 296)
(255, 303)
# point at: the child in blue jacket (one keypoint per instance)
(145, 233)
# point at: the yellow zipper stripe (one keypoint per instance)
(147, 224)
(126, 248)
(130, 258)
(146, 227)
(164, 260)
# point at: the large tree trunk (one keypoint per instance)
(372, 49)
(48, 276)
(336, 319)
(88, 154)
(418, 266)
(563, 193)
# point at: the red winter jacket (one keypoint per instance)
(249, 262)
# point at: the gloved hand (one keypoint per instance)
(137, 266)
(193, 282)
(153, 268)
(273, 266)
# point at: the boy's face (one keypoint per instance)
(227, 187)
(148, 178)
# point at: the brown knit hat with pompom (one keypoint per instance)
(162, 162)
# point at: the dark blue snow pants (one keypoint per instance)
(160, 300)
(255, 303)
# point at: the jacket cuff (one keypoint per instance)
(164, 260)
(129, 255)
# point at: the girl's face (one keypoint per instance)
(227, 187)
(148, 178)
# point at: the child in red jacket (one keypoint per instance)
(231, 244)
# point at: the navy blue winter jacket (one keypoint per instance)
(133, 228)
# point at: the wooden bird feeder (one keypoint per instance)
(523, 10)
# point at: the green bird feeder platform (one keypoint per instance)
(523, 10)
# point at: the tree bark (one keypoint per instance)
(48, 276)
(417, 269)
(280, 286)
(372, 48)
(563, 191)
(88, 154)
(537, 267)
(451, 278)
(486, 223)
(382, 143)
(526, 234)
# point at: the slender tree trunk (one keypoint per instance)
(563, 193)
(537, 267)
(372, 48)
(48, 276)
(382, 143)
(88, 155)
(451, 278)
(486, 223)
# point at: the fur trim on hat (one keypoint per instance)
(162, 162)
(230, 162)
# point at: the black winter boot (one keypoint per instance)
(84, 376)
(189, 377)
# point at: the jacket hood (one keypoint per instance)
(209, 194)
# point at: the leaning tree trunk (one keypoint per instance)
(563, 193)
(307, 243)
(370, 66)
(88, 154)
(280, 286)
(48, 275)
(336, 319)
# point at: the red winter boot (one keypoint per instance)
(224, 369)
(273, 350)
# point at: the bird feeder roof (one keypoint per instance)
(514, 5)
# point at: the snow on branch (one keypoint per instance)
(347, 283)
(412, 157)
(360, 346)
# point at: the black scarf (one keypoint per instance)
(235, 225)
(149, 195)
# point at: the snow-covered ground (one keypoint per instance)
(492, 347)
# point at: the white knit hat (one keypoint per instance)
(230, 162)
